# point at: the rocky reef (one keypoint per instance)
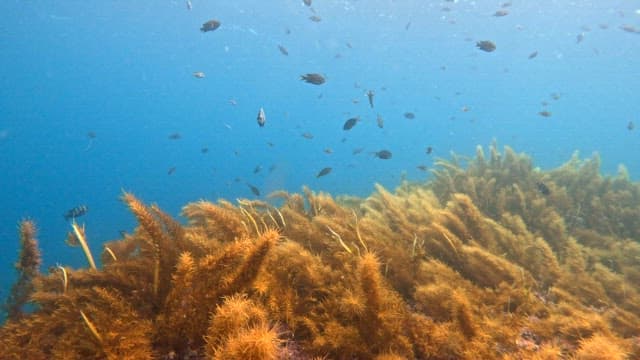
(491, 259)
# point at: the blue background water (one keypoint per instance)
(123, 70)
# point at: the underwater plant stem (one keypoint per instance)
(79, 232)
(91, 327)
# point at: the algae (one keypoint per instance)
(480, 262)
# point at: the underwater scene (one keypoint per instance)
(320, 179)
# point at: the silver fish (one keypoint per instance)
(262, 118)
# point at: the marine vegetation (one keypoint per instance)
(490, 259)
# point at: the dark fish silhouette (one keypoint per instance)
(533, 54)
(307, 2)
(283, 50)
(76, 212)
(349, 124)
(313, 78)
(315, 18)
(175, 136)
(429, 150)
(409, 115)
(500, 13)
(630, 126)
(545, 113)
(370, 95)
(254, 190)
(210, 25)
(486, 45)
(383, 154)
(262, 118)
(380, 121)
(171, 170)
(543, 188)
(324, 172)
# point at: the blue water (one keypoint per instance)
(123, 70)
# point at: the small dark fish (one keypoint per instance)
(579, 38)
(357, 151)
(348, 44)
(254, 190)
(370, 95)
(307, 2)
(283, 50)
(262, 118)
(328, 151)
(501, 13)
(313, 78)
(630, 126)
(210, 25)
(76, 212)
(349, 124)
(315, 18)
(307, 135)
(409, 115)
(486, 45)
(545, 113)
(506, 4)
(175, 136)
(204, 150)
(171, 170)
(630, 29)
(422, 167)
(380, 121)
(406, 27)
(257, 169)
(91, 135)
(533, 54)
(429, 150)
(543, 188)
(383, 154)
(324, 172)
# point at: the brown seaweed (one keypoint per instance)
(476, 263)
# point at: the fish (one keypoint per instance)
(407, 26)
(210, 25)
(380, 121)
(486, 45)
(91, 135)
(545, 113)
(533, 54)
(189, 5)
(370, 95)
(579, 38)
(175, 136)
(199, 74)
(315, 18)
(543, 188)
(428, 150)
(204, 150)
(283, 50)
(307, 135)
(307, 2)
(630, 126)
(630, 29)
(328, 151)
(254, 190)
(409, 115)
(76, 212)
(383, 154)
(500, 13)
(313, 78)
(257, 169)
(324, 172)
(357, 151)
(171, 170)
(262, 118)
(350, 123)
(422, 167)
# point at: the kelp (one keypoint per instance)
(491, 259)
